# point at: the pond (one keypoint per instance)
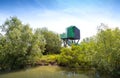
(50, 72)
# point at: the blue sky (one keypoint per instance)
(56, 15)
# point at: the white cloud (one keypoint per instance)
(58, 21)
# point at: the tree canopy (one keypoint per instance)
(19, 45)
(53, 42)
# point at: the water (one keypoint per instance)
(50, 72)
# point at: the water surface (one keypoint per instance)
(50, 72)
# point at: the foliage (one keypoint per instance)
(53, 42)
(48, 60)
(101, 51)
(68, 57)
(73, 57)
(19, 45)
(108, 50)
(104, 50)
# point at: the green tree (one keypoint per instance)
(19, 46)
(108, 50)
(53, 42)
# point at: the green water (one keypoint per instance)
(50, 72)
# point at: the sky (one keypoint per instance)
(57, 15)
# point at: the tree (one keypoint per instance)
(108, 52)
(19, 46)
(53, 42)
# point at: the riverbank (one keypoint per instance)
(52, 72)
(51, 61)
(47, 60)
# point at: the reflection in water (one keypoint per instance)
(50, 72)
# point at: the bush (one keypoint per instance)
(72, 57)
